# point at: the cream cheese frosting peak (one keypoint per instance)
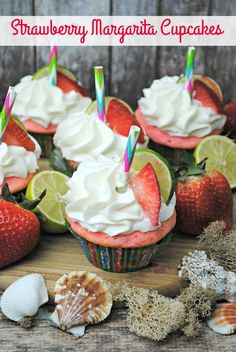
(168, 106)
(93, 201)
(44, 103)
(84, 136)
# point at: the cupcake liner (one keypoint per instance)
(46, 143)
(173, 155)
(120, 260)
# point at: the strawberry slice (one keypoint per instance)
(230, 125)
(206, 96)
(120, 119)
(67, 85)
(16, 135)
(147, 193)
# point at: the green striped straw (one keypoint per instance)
(53, 65)
(6, 110)
(189, 71)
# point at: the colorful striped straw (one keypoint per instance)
(53, 65)
(6, 110)
(100, 92)
(189, 70)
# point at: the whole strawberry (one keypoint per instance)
(202, 196)
(19, 228)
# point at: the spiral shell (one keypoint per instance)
(24, 297)
(82, 298)
(223, 319)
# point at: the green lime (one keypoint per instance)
(51, 207)
(162, 168)
(44, 72)
(220, 152)
(93, 106)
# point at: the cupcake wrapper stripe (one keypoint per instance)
(120, 259)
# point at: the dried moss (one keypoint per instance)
(27, 322)
(198, 303)
(221, 244)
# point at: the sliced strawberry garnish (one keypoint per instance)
(230, 125)
(67, 85)
(206, 96)
(120, 119)
(16, 135)
(147, 193)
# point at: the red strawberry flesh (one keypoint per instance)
(67, 85)
(206, 96)
(120, 119)
(147, 193)
(16, 135)
(230, 125)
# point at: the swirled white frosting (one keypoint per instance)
(167, 105)
(17, 161)
(83, 137)
(92, 200)
(44, 103)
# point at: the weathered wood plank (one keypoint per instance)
(132, 68)
(112, 335)
(79, 59)
(16, 62)
(220, 61)
(172, 59)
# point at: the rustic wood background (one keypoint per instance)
(127, 69)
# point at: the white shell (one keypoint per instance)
(24, 297)
(202, 271)
(223, 319)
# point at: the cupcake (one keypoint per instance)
(19, 153)
(118, 232)
(173, 120)
(84, 136)
(41, 106)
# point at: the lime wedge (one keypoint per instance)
(44, 72)
(51, 207)
(162, 168)
(220, 152)
(93, 106)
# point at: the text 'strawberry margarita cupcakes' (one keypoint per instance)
(118, 231)
(18, 156)
(87, 137)
(175, 119)
(41, 105)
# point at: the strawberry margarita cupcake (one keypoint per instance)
(41, 106)
(87, 137)
(173, 120)
(118, 232)
(19, 154)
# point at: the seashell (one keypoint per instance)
(82, 298)
(24, 297)
(223, 319)
(206, 273)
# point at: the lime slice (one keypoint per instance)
(51, 207)
(220, 152)
(44, 72)
(162, 168)
(93, 106)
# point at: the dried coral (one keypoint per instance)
(206, 273)
(221, 244)
(198, 303)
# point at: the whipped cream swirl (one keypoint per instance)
(44, 103)
(92, 200)
(84, 136)
(168, 106)
(17, 161)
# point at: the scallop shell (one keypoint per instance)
(82, 298)
(24, 297)
(223, 319)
